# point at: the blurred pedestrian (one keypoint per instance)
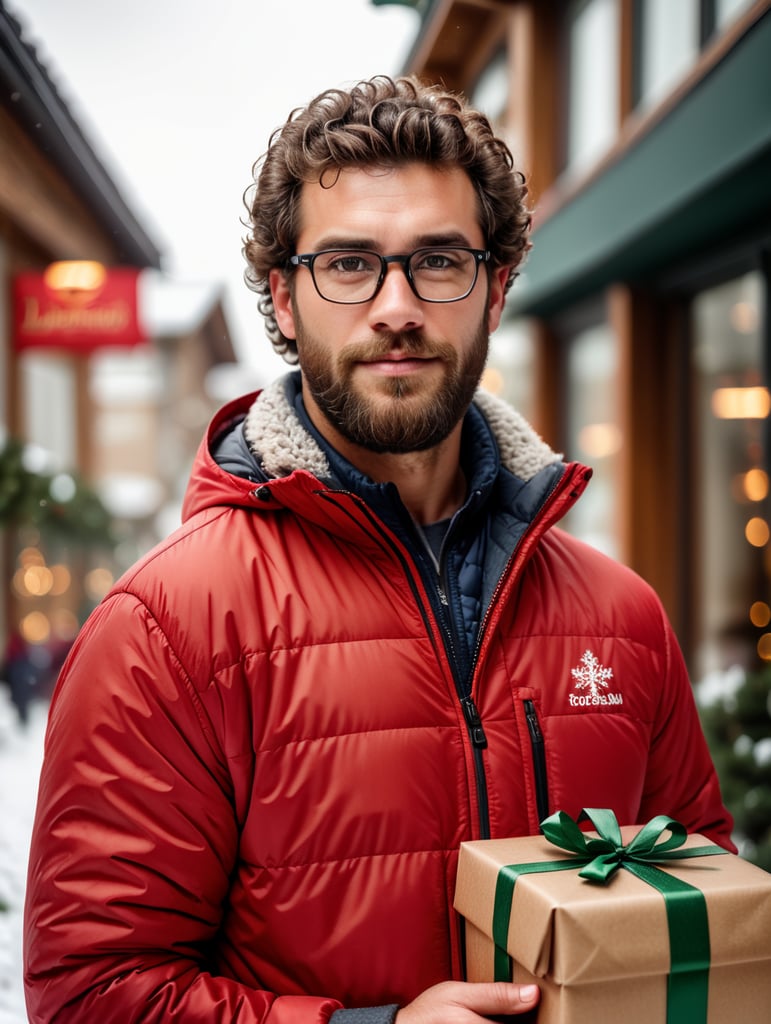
(19, 673)
(368, 642)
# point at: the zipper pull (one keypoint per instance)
(532, 722)
(474, 723)
(538, 749)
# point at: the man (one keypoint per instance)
(367, 643)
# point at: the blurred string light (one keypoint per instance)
(31, 555)
(753, 403)
(34, 580)
(755, 484)
(492, 380)
(600, 440)
(62, 580)
(750, 402)
(38, 628)
(757, 532)
(760, 614)
(744, 317)
(764, 647)
(35, 627)
(62, 488)
(97, 583)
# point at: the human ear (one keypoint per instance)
(497, 297)
(281, 294)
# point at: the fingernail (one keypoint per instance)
(528, 993)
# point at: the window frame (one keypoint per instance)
(675, 291)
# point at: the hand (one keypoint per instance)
(464, 1002)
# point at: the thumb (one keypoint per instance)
(502, 997)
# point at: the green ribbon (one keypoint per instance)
(599, 859)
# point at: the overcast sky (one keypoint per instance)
(178, 99)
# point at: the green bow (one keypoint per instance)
(604, 856)
(599, 858)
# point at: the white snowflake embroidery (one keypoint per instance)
(591, 675)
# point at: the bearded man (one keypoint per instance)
(359, 649)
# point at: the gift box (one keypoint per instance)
(642, 925)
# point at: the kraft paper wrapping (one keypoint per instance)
(602, 952)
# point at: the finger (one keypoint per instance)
(499, 997)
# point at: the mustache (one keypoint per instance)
(412, 343)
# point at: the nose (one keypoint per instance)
(396, 307)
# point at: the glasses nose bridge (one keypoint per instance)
(403, 260)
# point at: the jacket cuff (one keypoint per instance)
(366, 1015)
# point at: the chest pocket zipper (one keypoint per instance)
(538, 750)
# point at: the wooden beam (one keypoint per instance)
(34, 198)
(650, 382)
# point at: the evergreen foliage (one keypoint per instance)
(737, 724)
(28, 498)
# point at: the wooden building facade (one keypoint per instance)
(637, 338)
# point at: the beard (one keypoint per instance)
(401, 413)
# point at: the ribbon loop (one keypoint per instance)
(605, 822)
(562, 831)
(647, 839)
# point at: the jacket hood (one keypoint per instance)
(283, 449)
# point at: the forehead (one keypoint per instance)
(389, 207)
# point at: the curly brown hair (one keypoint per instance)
(383, 122)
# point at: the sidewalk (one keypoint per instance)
(21, 752)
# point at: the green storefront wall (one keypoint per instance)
(702, 173)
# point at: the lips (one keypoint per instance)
(401, 358)
(399, 366)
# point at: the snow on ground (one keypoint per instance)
(21, 753)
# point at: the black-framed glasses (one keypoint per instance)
(437, 274)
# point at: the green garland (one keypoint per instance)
(26, 499)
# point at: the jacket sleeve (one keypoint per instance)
(135, 839)
(681, 780)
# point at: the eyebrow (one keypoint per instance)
(424, 241)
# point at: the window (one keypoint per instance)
(510, 370)
(492, 95)
(491, 92)
(594, 434)
(669, 37)
(733, 556)
(668, 45)
(593, 81)
(50, 404)
(727, 10)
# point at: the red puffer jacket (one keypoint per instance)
(258, 771)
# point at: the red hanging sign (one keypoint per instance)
(79, 315)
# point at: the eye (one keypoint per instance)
(436, 259)
(351, 263)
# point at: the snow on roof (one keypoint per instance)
(172, 308)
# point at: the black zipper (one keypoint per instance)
(470, 712)
(538, 749)
(478, 744)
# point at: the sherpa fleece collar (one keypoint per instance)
(282, 444)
